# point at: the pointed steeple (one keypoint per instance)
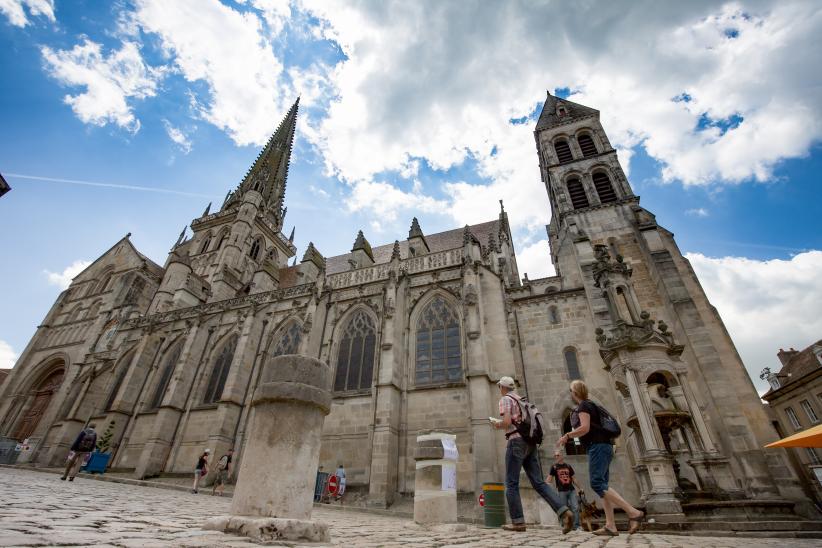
(269, 174)
(180, 238)
(207, 209)
(291, 237)
(557, 111)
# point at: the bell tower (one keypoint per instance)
(240, 249)
(697, 421)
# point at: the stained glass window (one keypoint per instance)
(355, 358)
(439, 346)
(219, 373)
(289, 340)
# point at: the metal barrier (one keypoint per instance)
(321, 487)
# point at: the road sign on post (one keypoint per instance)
(333, 485)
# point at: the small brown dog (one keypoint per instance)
(587, 512)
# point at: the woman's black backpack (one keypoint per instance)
(607, 422)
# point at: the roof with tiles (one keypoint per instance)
(799, 366)
(549, 117)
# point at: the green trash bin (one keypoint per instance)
(494, 494)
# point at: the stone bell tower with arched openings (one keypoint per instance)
(666, 365)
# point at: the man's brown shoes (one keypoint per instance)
(519, 527)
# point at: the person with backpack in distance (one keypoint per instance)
(596, 429)
(522, 424)
(223, 466)
(84, 444)
(201, 470)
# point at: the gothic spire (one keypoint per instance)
(269, 174)
(415, 231)
(291, 237)
(207, 209)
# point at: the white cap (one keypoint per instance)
(207, 450)
(507, 382)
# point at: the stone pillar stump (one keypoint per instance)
(275, 487)
(435, 483)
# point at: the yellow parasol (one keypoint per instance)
(812, 437)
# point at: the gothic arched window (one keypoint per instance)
(439, 345)
(103, 283)
(124, 362)
(355, 357)
(563, 151)
(254, 252)
(223, 238)
(577, 193)
(206, 243)
(289, 340)
(219, 372)
(586, 145)
(604, 188)
(553, 314)
(172, 357)
(571, 364)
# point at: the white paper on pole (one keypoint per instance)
(449, 446)
(449, 478)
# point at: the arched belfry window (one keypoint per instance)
(355, 357)
(563, 151)
(571, 364)
(287, 340)
(219, 373)
(586, 145)
(254, 252)
(577, 193)
(605, 190)
(439, 346)
(170, 362)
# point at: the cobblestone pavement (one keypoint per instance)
(37, 509)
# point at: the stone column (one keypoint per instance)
(696, 414)
(275, 488)
(435, 483)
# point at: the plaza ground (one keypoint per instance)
(37, 509)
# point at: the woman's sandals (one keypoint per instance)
(634, 524)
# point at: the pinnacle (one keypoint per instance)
(415, 231)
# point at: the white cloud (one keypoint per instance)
(229, 51)
(13, 9)
(110, 81)
(385, 201)
(697, 212)
(8, 356)
(429, 82)
(177, 136)
(535, 260)
(63, 279)
(766, 305)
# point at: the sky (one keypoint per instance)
(130, 116)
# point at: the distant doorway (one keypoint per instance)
(40, 399)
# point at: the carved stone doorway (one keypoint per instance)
(40, 399)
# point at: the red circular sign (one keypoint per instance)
(482, 499)
(333, 485)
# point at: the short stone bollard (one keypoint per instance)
(435, 484)
(275, 486)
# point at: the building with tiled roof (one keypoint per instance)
(416, 332)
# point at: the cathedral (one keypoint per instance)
(417, 331)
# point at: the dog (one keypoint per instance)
(587, 512)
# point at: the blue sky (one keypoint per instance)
(413, 110)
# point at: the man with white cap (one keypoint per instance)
(520, 454)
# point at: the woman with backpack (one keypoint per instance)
(598, 442)
(201, 470)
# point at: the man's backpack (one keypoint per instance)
(607, 422)
(531, 426)
(223, 464)
(88, 442)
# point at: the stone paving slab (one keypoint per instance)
(38, 509)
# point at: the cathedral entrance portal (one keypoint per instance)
(40, 398)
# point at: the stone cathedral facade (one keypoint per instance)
(418, 331)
